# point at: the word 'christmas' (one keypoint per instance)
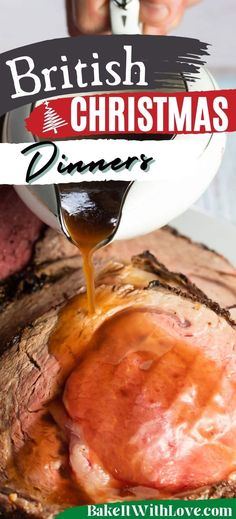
(148, 113)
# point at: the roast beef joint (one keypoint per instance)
(136, 401)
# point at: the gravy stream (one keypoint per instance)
(90, 214)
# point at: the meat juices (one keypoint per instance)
(155, 388)
(90, 214)
(55, 463)
(152, 400)
(149, 407)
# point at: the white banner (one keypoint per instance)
(88, 160)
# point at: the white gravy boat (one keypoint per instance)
(149, 204)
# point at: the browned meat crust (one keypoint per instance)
(25, 405)
(53, 275)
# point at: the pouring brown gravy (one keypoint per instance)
(90, 213)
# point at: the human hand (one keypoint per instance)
(157, 16)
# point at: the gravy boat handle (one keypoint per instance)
(125, 16)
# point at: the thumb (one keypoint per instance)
(158, 16)
(91, 16)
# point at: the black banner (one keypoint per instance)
(97, 63)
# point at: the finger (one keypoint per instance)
(189, 3)
(91, 16)
(158, 15)
(177, 20)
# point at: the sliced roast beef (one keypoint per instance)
(20, 235)
(19, 229)
(54, 273)
(211, 272)
(162, 390)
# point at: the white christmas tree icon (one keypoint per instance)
(52, 120)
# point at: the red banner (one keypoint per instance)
(134, 113)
